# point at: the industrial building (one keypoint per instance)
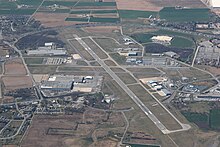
(48, 49)
(57, 85)
(64, 84)
(50, 52)
(61, 82)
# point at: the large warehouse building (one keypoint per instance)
(215, 3)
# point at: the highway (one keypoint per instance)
(147, 112)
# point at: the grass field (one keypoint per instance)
(29, 2)
(93, 11)
(214, 119)
(107, 44)
(39, 69)
(196, 117)
(11, 7)
(78, 47)
(93, 19)
(95, 48)
(126, 78)
(60, 3)
(5, 4)
(17, 12)
(107, 20)
(34, 60)
(118, 58)
(157, 110)
(96, 4)
(185, 15)
(182, 42)
(177, 41)
(84, 19)
(55, 11)
(134, 14)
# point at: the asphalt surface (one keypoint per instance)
(124, 87)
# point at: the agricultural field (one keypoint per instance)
(134, 14)
(214, 119)
(187, 15)
(73, 12)
(19, 7)
(16, 82)
(156, 5)
(34, 60)
(15, 67)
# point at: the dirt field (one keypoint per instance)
(156, 5)
(15, 67)
(102, 29)
(53, 19)
(143, 5)
(213, 70)
(37, 134)
(62, 130)
(16, 82)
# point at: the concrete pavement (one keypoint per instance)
(147, 112)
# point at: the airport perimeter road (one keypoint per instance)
(124, 87)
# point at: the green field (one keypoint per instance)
(60, 3)
(85, 19)
(185, 15)
(34, 60)
(11, 7)
(29, 2)
(96, 4)
(17, 12)
(94, 19)
(178, 40)
(93, 12)
(55, 11)
(109, 20)
(196, 117)
(182, 42)
(81, 12)
(214, 119)
(142, 37)
(104, 11)
(118, 58)
(133, 14)
(7, 5)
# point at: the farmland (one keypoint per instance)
(187, 15)
(15, 67)
(73, 12)
(19, 7)
(214, 119)
(134, 14)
